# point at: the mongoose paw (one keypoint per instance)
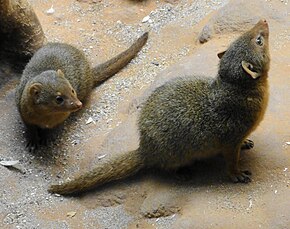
(247, 144)
(31, 146)
(182, 175)
(241, 176)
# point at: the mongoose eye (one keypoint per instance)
(259, 40)
(73, 91)
(59, 99)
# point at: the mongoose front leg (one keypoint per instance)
(33, 138)
(232, 156)
(247, 144)
(183, 173)
(43, 136)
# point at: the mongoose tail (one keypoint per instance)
(118, 167)
(104, 71)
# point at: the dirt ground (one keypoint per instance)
(207, 199)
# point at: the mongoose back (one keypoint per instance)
(198, 117)
(57, 79)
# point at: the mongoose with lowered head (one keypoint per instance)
(57, 79)
(192, 118)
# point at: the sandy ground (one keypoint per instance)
(149, 200)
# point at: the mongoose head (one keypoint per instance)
(247, 59)
(51, 92)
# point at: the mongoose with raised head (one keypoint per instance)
(57, 79)
(198, 117)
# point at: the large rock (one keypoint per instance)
(204, 62)
(240, 15)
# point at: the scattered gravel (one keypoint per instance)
(110, 217)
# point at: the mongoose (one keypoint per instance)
(55, 81)
(197, 117)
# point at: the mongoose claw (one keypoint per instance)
(247, 144)
(43, 141)
(241, 177)
(247, 172)
(31, 146)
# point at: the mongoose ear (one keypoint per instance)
(249, 68)
(60, 73)
(220, 54)
(35, 89)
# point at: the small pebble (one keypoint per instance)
(50, 11)
(145, 19)
(155, 63)
(90, 120)
(102, 156)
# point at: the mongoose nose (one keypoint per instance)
(264, 21)
(263, 24)
(79, 104)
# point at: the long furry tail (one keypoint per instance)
(104, 71)
(118, 167)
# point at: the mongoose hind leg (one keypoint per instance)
(232, 156)
(247, 144)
